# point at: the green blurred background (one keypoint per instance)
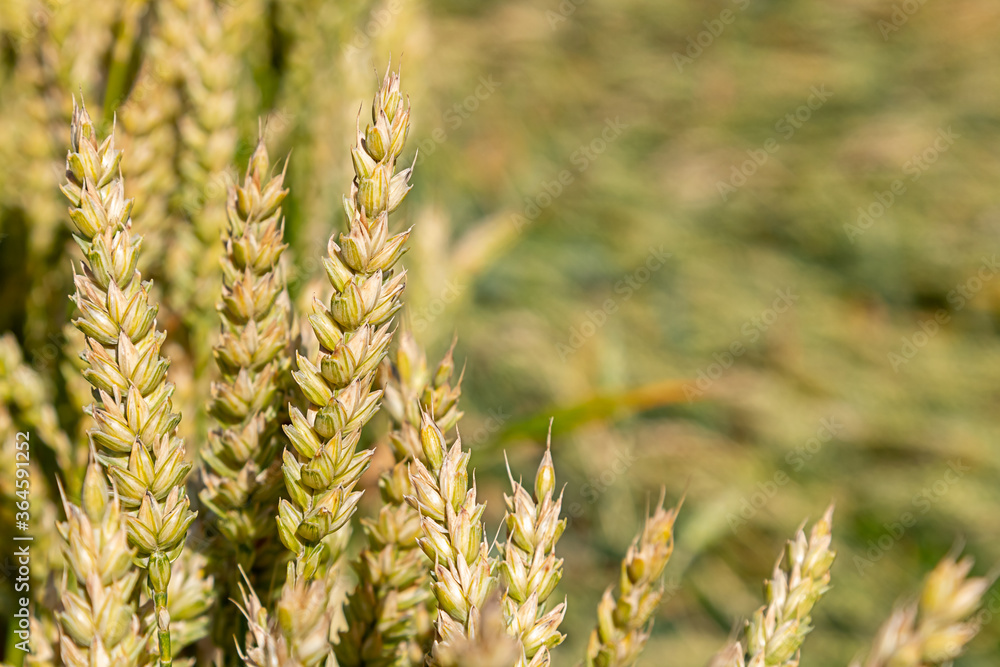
(641, 217)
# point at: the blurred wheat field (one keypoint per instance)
(744, 250)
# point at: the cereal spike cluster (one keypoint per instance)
(775, 634)
(241, 475)
(936, 629)
(323, 465)
(622, 624)
(135, 428)
(451, 521)
(98, 623)
(530, 568)
(387, 617)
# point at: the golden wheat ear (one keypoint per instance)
(529, 567)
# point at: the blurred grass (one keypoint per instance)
(514, 296)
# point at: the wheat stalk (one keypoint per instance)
(775, 634)
(323, 466)
(622, 630)
(135, 428)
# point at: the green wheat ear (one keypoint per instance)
(135, 432)
(775, 634)
(323, 465)
(624, 621)
(98, 618)
(935, 629)
(242, 474)
(389, 613)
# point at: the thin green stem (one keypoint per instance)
(163, 627)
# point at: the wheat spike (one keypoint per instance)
(323, 465)
(135, 431)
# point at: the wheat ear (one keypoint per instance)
(323, 465)
(242, 473)
(135, 428)
(623, 622)
(775, 634)
(451, 521)
(299, 634)
(98, 623)
(492, 646)
(935, 629)
(530, 568)
(387, 616)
